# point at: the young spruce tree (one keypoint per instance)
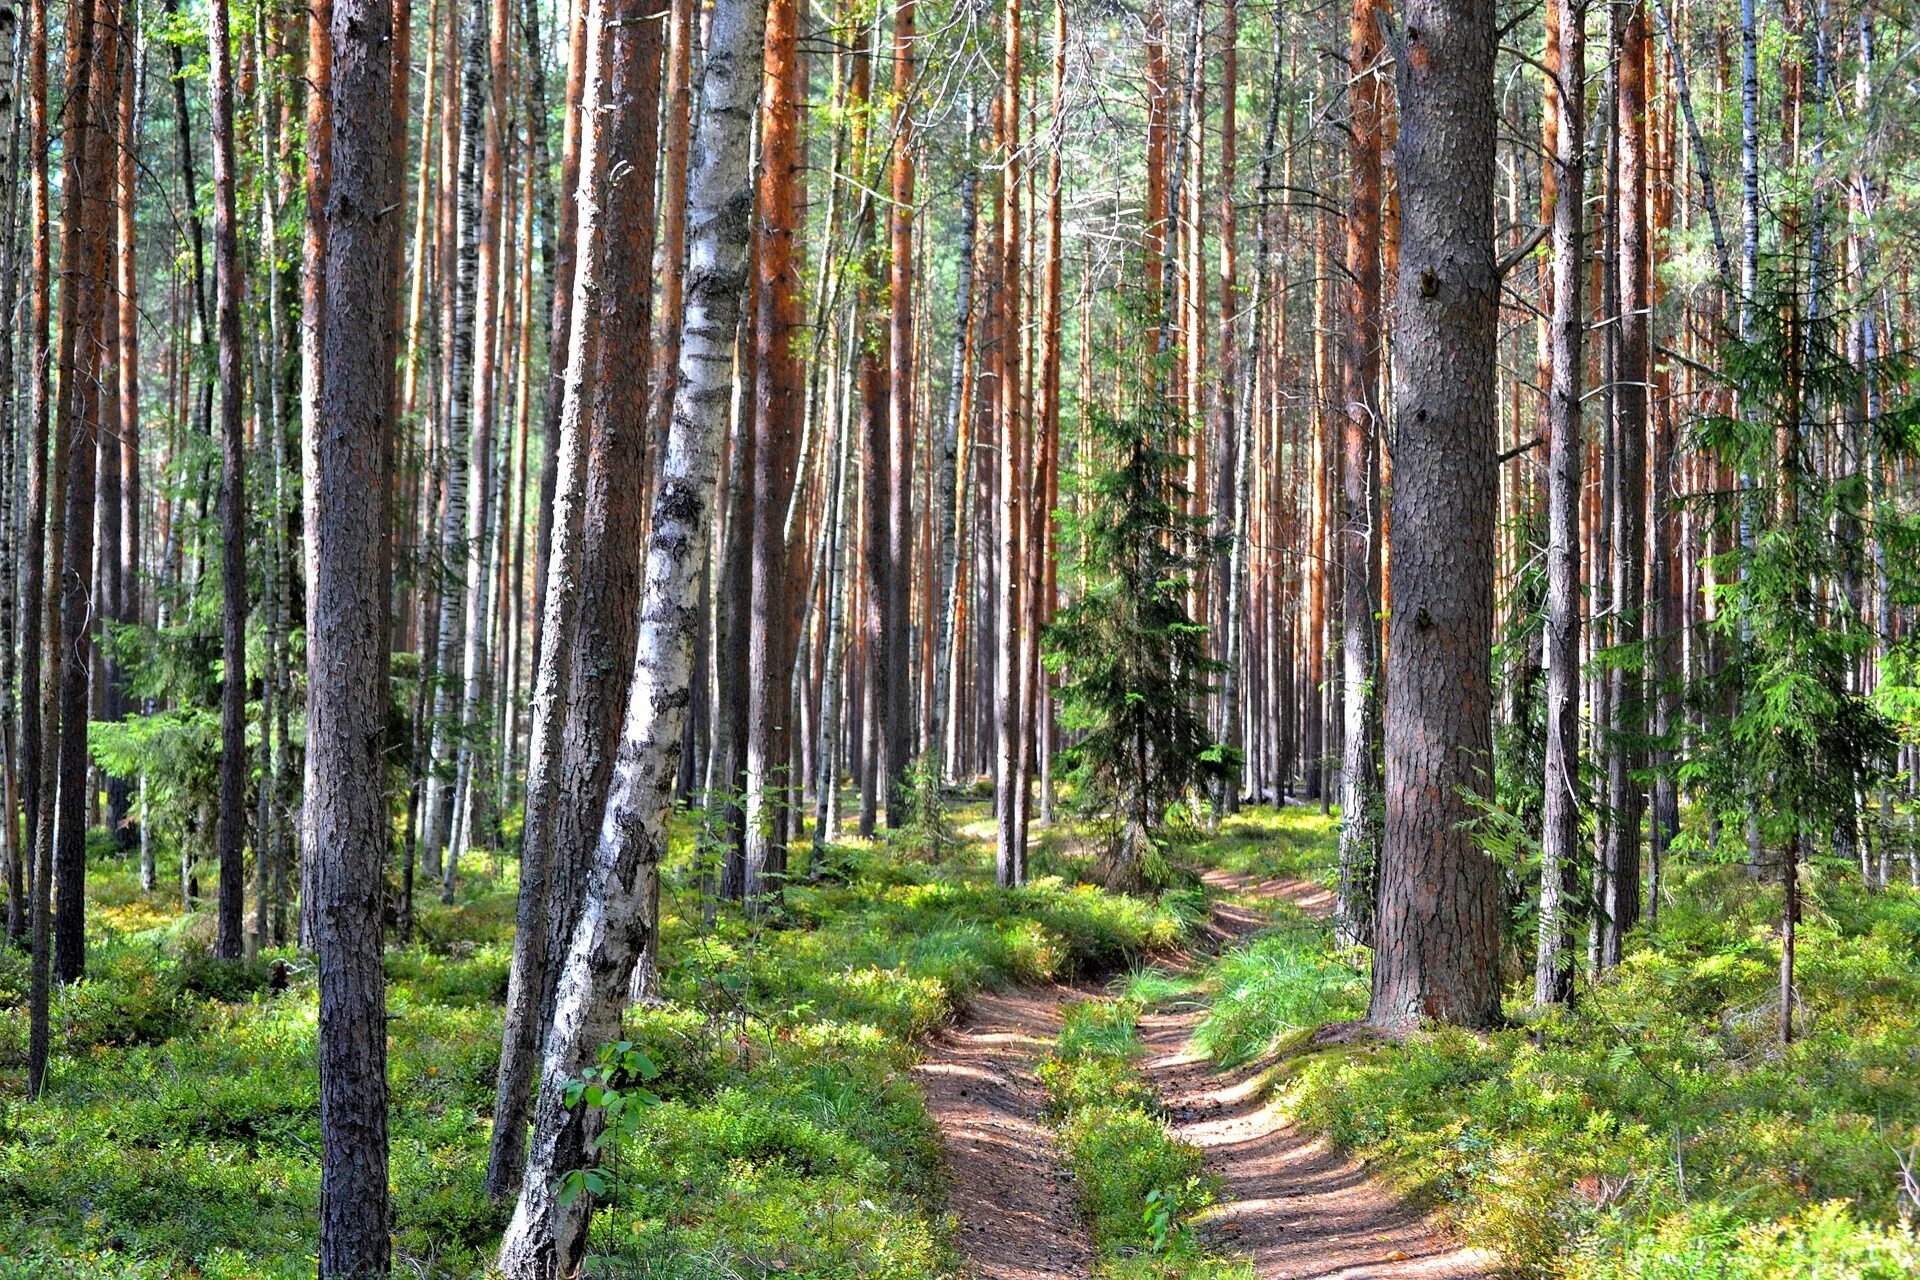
(1132, 662)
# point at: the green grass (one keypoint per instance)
(1654, 1131)
(1141, 1188)
(181, 1130)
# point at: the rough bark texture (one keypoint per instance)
(777, 403)
(545, 1238)
(530, 981)
(228, 940)
(347, 630)
(92, 54)
(1619, 891)
(611, 549)
(896, 730)
(1437, 935)
(1560, 823)
(1360, 369)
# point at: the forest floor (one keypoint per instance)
(1124, 1087)
(1287, 1203)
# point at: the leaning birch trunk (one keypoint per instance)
(553, 674)
(546, 1238)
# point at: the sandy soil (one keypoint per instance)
(1016, 1210)
(1294, 1206)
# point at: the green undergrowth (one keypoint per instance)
(180, 1132)
(1141, 1189)
(1655, 1130)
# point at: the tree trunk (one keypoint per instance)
(1437, 932)
(1620, 901)
(229, 938)
(347, 629)
(1010, 859)
(537, 943)
(1360, 369)
(546, 1238)
(896, 730)
(1560, 824)
(92, 62)
(778, 402)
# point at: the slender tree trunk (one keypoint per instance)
(92, 66)
(949, 476)
(347, 633)
(529, 983)
(1010, 860)
(777, 407)
(1620, 902)
(896, 732)
(1560, 824)
(1437, 932)
(1360, 369)
(35, 640)
(313, 363)
(229, 939)
(546, 1237)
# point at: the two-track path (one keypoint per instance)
(1294, 1206)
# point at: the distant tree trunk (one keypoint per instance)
(489, 314)
(1042, 442)
(1360, 369)
(1437, 931)
(1010, 859)
(438, 814)
(1237, 654)
(560, 280)
(1560, 824)
(128, 319)
(777, 405)
(546, 1238)
(896, 730)
(92, 68)
(1619, 906)
(35, 641)
(948, 477)
(230, 938)
(313, 357)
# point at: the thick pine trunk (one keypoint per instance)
(777, 405)
(1437, 932)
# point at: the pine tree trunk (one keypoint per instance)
(233, 471)
(1560, 824)
(897, 722)
(1620, 901)
(1360, 370)
(777, 406)
(546, 1238)
(347, 634)
(1437, 932)
(92, 65)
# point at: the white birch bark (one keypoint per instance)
(546, 1238)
